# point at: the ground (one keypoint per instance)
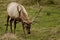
(47, 26)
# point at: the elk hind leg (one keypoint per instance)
(14, 26)
(11, 24)
(7, 23)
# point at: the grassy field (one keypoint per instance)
(46, 28)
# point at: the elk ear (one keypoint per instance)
(28, 22)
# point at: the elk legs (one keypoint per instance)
(7, 23)
(14, 26)
(11, 24)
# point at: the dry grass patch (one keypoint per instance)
(8, 36)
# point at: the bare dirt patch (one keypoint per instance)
(8, 36)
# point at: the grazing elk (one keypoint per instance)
(17, 13)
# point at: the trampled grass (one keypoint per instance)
(46, 28)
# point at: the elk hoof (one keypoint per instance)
(28, 32)
(5, 24)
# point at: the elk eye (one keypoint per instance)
(26, 24)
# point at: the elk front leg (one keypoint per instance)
(24, 30)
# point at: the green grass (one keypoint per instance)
(46, 28)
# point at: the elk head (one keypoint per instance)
(28, 23)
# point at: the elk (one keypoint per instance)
(17, 13)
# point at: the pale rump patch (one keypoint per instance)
(8, 36)
(13, 11)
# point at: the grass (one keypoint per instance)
(46, 28)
